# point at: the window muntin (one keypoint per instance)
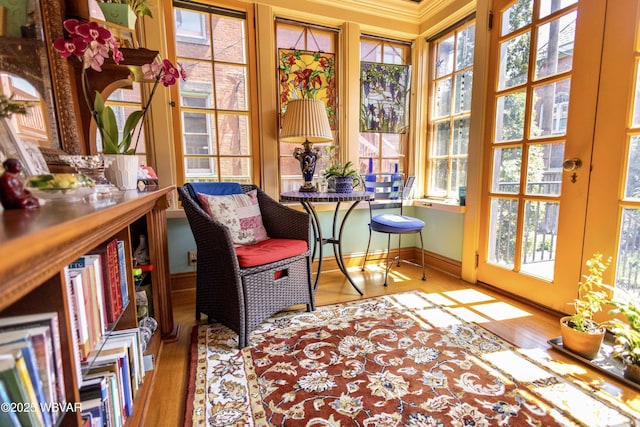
(450, 112)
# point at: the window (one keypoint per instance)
(449, 115)
(383, 151)
(217, 140)
(307, 38)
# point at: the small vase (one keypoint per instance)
(122, 170)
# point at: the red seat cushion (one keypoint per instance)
(268, 251)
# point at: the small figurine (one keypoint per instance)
(13, 195)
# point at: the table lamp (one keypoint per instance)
(305, 121)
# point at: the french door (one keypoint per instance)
(544, 102)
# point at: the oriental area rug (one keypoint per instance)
(396, 360)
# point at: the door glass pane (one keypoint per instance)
(233, 134)
(636, 103)
(554, 52)
(236, 169)
(460, 136)
(231, 47)
(441, 143)
(628, 268)
(464, 47)
(510, 117)
(544, 169)
(462, 101)
(391, 145)
(517, 16)
(443, 98)
(199, 87)
(200, 167)
(502, 231)
(444, 65)
(539, 238)
(550, 109)
(458, 173)
(193, 37)
(514, 61)
(547, 7)
(632, 188)
(199, 133)
(231, 87)
(506, 170)
(439, 170)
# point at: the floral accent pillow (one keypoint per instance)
(239, 212)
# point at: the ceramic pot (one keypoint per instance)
(584, 344)
(344, 184)
(122, 170)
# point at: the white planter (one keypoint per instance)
(122, 170)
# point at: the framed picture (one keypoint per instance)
(125, 37)
(384, 97)
(306, 74)
(11, 146)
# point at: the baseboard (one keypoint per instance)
(187, 280)
(182, 281)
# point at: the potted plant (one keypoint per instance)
(342, 178)
(580, 332)
(627, 335)
(92, 44)
(124, 12)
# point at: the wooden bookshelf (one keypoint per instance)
(36, 245)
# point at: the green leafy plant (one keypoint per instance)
(8, 106)
(338, 169)
(627, 343)
(592, 295)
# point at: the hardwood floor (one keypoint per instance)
(521, 324)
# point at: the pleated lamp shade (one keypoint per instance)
(305, 120)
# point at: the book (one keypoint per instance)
(91, 268)
(7, 418)
(132, 340)
(48, 321)
(19, 341)
(94, 399)
(110, 279)
(75, 291)
(17, 390)
(32, 399)
(110, 372)
(122, 264)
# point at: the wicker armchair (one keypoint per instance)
(238, 297)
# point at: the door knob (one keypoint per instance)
(571, 164)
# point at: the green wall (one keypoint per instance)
(442, 235)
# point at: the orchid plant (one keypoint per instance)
(91, 43)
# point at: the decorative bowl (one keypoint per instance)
(60, 186)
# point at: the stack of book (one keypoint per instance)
(31, 377)
(109, 363)
(98, 294)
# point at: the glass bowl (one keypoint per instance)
(60, 186)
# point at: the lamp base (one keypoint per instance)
(307, 158)
(308, 187)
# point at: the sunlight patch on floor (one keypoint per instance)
(468, 296)
(440, 299)
(520, 368)
(412, 300)
(469, 315)
(501, 311)
(562, 368)
(438, 318)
